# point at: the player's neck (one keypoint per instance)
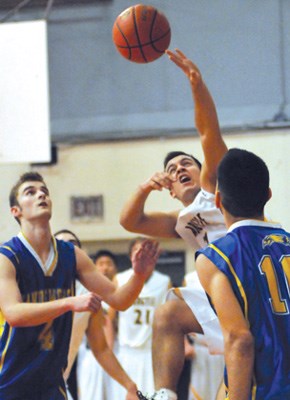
(230, 220)
(38, 235)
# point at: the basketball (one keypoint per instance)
(141, 33)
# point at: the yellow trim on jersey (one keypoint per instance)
(51, 269)
(5, 349)
(55, 259)
(2, 323)
(9, 248)
(63, 392)
(239, 284)
(196, 396)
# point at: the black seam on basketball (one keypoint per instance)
(152, 41)
(128, 45)
(137, 34)
(152, 25)
(148, 43)
(156, 40)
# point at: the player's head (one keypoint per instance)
(68, 236)
(29, 188)
(172, 154)
(184, 172)
(243, 183)
(106, 262)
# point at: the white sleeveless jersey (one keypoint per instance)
(135, 324)
(201, 222)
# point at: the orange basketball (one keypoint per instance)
(141, 33)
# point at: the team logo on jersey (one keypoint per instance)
(196, 224)
(270, 239)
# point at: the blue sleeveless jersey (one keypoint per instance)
(32, 359)
(255, 257)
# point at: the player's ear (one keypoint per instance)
(218, 199)
(269, 194)
(15, 211)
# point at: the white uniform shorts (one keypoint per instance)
(196, 298)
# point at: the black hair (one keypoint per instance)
(173, 154)
(105, 253)
(70, 233)
(243, 182)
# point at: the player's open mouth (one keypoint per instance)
(184, 179)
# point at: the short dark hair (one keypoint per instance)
(78, 242)
(26, 177)
(105, 253)
(243, 181)
(173, 154)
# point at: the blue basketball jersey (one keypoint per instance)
(32, 359)
(255, 257)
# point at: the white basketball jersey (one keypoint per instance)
(201, 222)
(135, 324)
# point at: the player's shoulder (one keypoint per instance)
(12, 248)
(63, 245)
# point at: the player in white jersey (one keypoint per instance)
(92, 325)
(135, 327)
(200, 221)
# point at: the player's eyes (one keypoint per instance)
(171, 171)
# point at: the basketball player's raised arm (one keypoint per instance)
(121, 297)
(206, 120)
(157, 224)
(239, 342)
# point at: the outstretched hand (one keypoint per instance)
(145, 257)
(187, 66)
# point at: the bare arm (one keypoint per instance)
(239, 342)
(157, 224)
(79, 327)
(106, 357)
(18, 313)
(122, 297)
(206, 120)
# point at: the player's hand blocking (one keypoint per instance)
(145, 257)
(188, 67)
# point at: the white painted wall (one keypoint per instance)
(115, 169)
